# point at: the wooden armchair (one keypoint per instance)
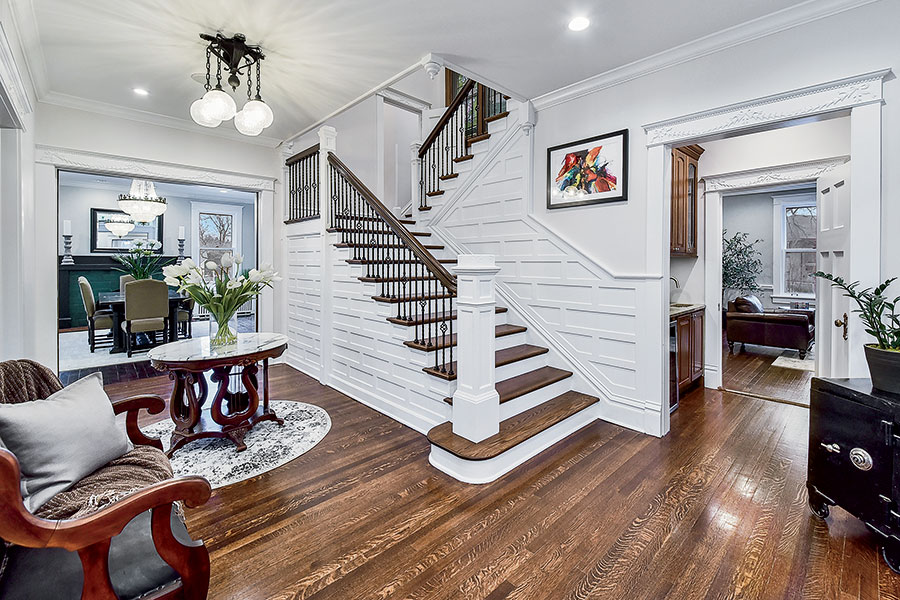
(135, 547)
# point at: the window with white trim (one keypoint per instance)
(795, 237)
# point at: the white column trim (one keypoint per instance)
(13, 91)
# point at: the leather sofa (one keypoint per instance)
(747, 323)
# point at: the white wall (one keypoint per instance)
(850, 43)
(752, 214)
(401, 128)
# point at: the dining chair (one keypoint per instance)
(123, 280)
(185, 316)
(146, 310)
(97, 319)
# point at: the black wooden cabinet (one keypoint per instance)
(854, 457)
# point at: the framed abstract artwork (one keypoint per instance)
(589, 171)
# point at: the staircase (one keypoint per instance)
(399, 265)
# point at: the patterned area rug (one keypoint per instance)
(269, 445)
(790, 359)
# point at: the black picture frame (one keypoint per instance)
(621, 190)
(95, 213)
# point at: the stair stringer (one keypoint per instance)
(597, 337)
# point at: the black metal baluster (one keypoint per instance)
(450, 320)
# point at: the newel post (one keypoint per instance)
(416, 174)
(476, 403)
(327, 143)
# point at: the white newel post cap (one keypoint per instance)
(327, 138)
(475, 263)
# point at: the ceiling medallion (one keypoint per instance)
(217, 105)
(141, 202)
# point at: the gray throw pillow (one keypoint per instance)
(62, 439)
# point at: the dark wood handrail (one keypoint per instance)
(445, 118)
(431, 263)
(301, 155)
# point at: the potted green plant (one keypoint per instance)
(141, 260)
(222, 289)
(741, 265)
(881, 321)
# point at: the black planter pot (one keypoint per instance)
(884, 367)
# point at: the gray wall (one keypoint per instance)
(75, 204)
(753, 214)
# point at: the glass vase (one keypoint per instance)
(222, 330)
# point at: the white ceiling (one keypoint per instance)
(121, 185)
(322, 54)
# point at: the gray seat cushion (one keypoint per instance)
(53, 573)
(142, 325)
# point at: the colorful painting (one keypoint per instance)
(588, 171)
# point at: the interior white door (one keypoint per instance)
(834, 319)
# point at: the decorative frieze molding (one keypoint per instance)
(834, 96)
(81, 160)
(403, 100)
(782, 174)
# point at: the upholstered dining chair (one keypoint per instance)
(116, 533)
(146, 310)
(97, 319)
(185, 316)
(123, 279)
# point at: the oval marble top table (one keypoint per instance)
(232, 413)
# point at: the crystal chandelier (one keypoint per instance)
(119, 226)
(141, 202)
(217, 105)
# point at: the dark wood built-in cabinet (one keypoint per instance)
(685, 181)
(687, 355)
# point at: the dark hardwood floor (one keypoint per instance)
(717, 509)
(749, 369)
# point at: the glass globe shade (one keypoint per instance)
(119, 227)
(248, 123)
(198, 114)
(257, 109)
(217, 104)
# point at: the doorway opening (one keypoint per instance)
(200, 222)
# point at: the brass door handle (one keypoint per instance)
(842, 323)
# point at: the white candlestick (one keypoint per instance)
(181, 232)
(67, 227)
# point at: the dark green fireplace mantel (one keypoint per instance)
(100, 271)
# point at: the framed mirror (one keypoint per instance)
(104, 240)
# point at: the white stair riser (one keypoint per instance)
(535, 398)
(508, 341)
(520, 367)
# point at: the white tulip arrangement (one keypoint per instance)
(224, 292)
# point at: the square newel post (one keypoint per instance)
(416, 174)
(476, 403)
(327, 143)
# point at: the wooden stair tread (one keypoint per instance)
(372, 231)
(478, 138)
(464, 158)
(514, 387)
(448, 176)
(397, 279)
(423, 319)
(393, 246)
(507, 356)
(497, 117)
(435, 193)
(405, 221)
(514, 430)
(417, 298)
(440, 342)
(363, 261)
(424, 208)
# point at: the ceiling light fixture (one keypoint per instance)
(217, 105)
(579, 23)
(141, 202)
(119, 226)
(141, 92)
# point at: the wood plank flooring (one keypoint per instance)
(717, 509)
(750, 370)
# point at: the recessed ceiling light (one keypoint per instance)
(223, 191)
(143, 92)
(579, 23)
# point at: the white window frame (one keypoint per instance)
(779, 238)
(235, 210)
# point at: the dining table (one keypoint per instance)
(115, 301)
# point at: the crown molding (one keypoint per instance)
(833, 96)
(151, 118)
(809, 11)
(768, 176)
(403, 100)
(13, 89)
(97, 162)
(469, 74)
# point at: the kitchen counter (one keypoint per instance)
(676, 310)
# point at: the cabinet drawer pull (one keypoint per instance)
(831, 447)
(861, 459)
